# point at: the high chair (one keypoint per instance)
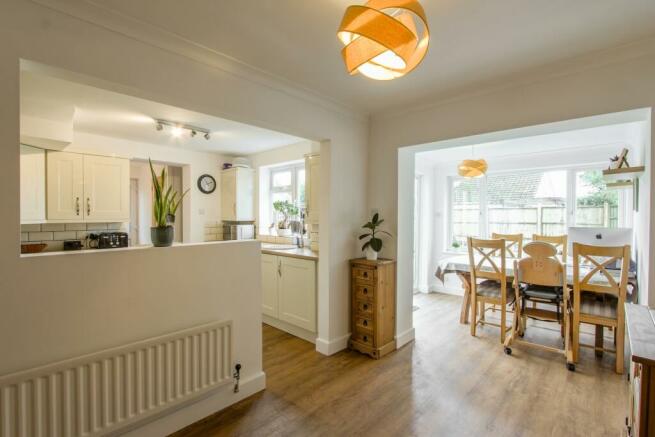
(540, 278)
(557, 241)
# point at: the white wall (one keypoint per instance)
(601, 83)
(147, 63)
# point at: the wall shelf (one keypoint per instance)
(622, 174)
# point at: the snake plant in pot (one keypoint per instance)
(374, 243)
(164, 206)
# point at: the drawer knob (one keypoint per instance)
(366, 274)
(365, 291)
(365, 338)
(365, 307)
(365, 323)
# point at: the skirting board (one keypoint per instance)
(404, 338)
(291, 329)
(193, 412)
(331, 347)
(446, 290)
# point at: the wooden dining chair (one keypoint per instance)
(484, 259)
(598, 299)
(514, 243)
(540, 277)
(555, 240)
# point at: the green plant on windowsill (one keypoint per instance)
(456, 244)
(287, 210)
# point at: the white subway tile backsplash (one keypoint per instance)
(96, 226)
(54, 246)
(40, 236)
(76, 226)
(50, 227)
(54, 234)
(66, 235)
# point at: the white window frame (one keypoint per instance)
(293, 188)
(625, 200)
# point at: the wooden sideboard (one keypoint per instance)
(373, 297)
(640, 322)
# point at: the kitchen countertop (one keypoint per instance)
(302, 253)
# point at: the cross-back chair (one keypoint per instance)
(598, 297)
(487, 264)
(559, 241)
(540, 278)
(514, 243)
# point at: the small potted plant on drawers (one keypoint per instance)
(374, 244)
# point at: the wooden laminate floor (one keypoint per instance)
(446, 383)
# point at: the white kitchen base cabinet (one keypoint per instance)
(270, 285)
(289, 294)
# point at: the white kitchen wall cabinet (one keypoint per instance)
(32, 184)
(312, 187)
(289, 292)
(106, 188)
(237, 202)
(65, 186)
(87, 187)
(270, 274)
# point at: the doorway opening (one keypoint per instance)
(541, 179)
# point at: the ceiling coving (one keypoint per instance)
(384, 39)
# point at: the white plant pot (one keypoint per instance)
(284, 232)
(371, 255)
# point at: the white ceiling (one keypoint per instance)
(472, 41)
(102, 112)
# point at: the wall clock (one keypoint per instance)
(207, 183)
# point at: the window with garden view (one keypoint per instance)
(543, 202)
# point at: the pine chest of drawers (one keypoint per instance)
(373, 295)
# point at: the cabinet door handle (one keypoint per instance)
(77, 205)
(279, 268)
(88, 206)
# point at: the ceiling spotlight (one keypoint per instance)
(193, 133)
(207, 136)
(176, 131)
(160, 127)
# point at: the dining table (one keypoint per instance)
(459, 264)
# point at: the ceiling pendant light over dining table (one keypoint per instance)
(384, 39)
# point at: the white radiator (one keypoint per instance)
(98, 393)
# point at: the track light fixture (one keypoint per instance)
(176, 129)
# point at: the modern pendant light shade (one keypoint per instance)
(472, 168)
(381, 38)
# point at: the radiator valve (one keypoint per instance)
(237, 377)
